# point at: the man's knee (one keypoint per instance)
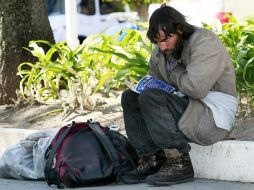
(128, 97)
(149, 96)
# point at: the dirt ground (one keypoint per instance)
(108, 112)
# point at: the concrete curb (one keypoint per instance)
(226, 160)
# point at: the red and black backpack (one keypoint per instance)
(87, 154)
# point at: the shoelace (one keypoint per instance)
(142, 167)
(172, 165)
(150, 162)
(147, 163)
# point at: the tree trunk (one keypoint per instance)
(142, 10)
(20, 22)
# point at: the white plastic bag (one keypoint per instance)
(25, 160)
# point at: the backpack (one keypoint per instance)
(87, 154)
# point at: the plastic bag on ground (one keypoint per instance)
(25, 160)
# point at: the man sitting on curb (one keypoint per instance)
(195, 62)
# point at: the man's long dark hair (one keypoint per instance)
(170, 21)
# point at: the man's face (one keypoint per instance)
(167, 44)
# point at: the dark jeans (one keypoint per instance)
(151, 119)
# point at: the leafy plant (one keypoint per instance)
(100, 63)
(238, 37)
(126, 58)
(43, 80)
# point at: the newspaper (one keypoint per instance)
(150, 82)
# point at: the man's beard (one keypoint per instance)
(176, 52)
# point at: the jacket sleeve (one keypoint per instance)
(153, 62)
(204, 68)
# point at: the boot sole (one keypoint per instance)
(133, 181)
(165, 183)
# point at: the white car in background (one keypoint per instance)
(93, 17)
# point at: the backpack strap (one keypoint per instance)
(52, 154)
(126, 154)
(123, 150)
(106, 143)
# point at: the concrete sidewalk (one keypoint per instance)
(227, 160)
(198, 184)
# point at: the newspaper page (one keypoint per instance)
(150, 82)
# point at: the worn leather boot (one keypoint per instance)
(147, 165)
(176, 170)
